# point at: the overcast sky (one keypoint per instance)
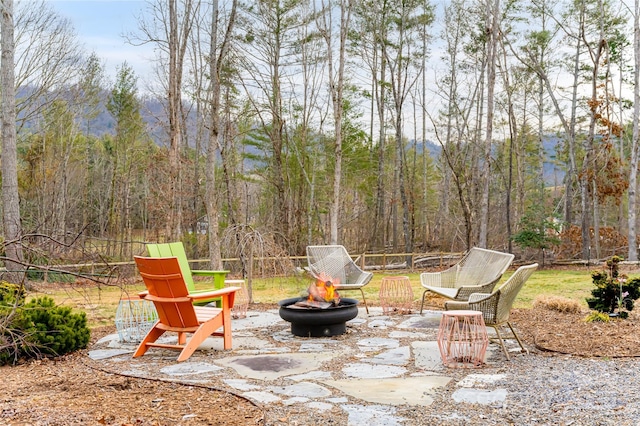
(100, 25)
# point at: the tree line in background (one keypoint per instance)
(306, 122)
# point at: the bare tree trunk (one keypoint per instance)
(570, 177)
(493, 30)
(588, 179)
(216, 58)
(336, 85)
(633, 167)
(513, 145)
(380, 229)
(10, 196)
(177, 38)
(453, 34)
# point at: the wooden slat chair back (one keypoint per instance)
(176, 249)
(477, 272)
(496, 306)
(167, 290)
(334, 261)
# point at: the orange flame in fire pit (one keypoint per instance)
(324, 289)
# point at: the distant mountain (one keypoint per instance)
(151, 110)
(153, 114)
(553, 175)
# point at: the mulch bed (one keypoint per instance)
(567, 333)
(70, 391)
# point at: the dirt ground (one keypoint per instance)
(68, 391)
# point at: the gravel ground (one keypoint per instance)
(541, 388)
(548, 390)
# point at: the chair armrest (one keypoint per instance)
(478, 297)
(211, 294)
(430, 279)
(153, 298)
(226, 293)
(218, 276)
(456, 306)
(208, 273)
(364, 278)
(487, 304)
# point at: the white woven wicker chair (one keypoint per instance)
(477, 272)
(496, 306)
(334, 261)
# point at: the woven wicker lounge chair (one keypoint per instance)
(477, 272)
(168, 292)
(496, 306)
(334, 261)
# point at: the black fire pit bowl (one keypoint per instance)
(315, 322)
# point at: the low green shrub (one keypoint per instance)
(40, 328)
(596, 316)
(11, 297)
(54, 330)
(52, 277)
(9, 293)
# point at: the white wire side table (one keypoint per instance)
(462, 339)
(134, 319)
(241, 303)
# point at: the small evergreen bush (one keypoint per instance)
(11, 296)
(9, 293)
(38, 328)
(613, 291)
(54, 330)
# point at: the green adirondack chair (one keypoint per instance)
(177, 250)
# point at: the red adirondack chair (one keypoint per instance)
(167, 290)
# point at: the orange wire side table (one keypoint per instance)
(462, 339)
(396, 295)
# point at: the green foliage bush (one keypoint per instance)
(537, 231)
(54, 330)
(613, 291)
(597, 317)
(9, 293)
(38, 328)
(52, 277)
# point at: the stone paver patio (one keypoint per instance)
(390, 361)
